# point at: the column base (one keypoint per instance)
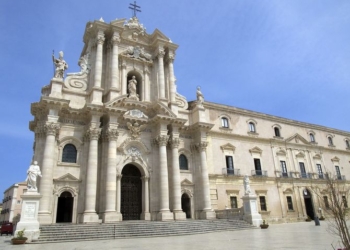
(44, 218)
(96, 96)
(90, 217)
(207, 215)
(111, 217)
(179, 215)
(146, 216)
(165, 216)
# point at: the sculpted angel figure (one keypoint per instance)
(60, 65)
(132, 88)
(32, 174)
(135, 129)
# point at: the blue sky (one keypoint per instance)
(289, 58)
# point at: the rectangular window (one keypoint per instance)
(229, 164)
(290, 203)
(337, 171)
(262, 203)
(319, 170)
(302, 170)
(345, 202)
(284, 169)
(257, 166)
(326, 203)
(233, 200)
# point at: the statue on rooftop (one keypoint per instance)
(200, 97)
(32, 173)
(60, 65)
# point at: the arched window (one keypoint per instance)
(347, 143)
(183, 162)
(252, 127)
(277, 132)
(330, 141)
(224, 122)
(69, 154)
(312, 137)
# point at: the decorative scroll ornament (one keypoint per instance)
(134, 154)
(181, 101)
(138, 52)
(133, 23)
(136, 113)
(78, 81)
(135, 129)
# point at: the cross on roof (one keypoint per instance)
(135, 8)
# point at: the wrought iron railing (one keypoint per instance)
(306, 175)
(262, 173)
(286, 175)
(340, 177)
(322, 176)
(229, 171)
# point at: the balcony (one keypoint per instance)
(229, 171)
(286, 175)
(306, 175)
(322, 176)
(259, 173)
(340, 177)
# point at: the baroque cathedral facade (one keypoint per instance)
(116, 142)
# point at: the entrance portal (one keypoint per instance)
(308, 204)
(186, 205)
(131, 193)
(64, 207)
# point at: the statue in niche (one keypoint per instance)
(60, 65)
(200, 97)
(135, 129)
(132, 89)
(32, 173)
(246, 182)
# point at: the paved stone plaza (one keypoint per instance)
(302, 235)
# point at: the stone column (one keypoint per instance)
(45, 210)
(119, 190)
(147, 86)
(176, 182)
(164, 212)
(207, 211)
(145, 203)
(124, 83)
(97, 90)
(172, 77)
(110, 213)
(90, 214)
(161, 54)
(115, 67)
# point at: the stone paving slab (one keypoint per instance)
(302, 235)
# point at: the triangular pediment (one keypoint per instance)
(186, 182)
(228, 146)
(256, 150)
(67, 177)
(335, 159)
(297, 139)
(157, 34)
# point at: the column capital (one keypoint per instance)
(174, 142)
(93, 133)
(51, 128)
(171, 57)
(111, 134)
(115, 39)
(201, 146)
(161, 140)
(160, 52)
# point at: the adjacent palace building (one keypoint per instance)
(116, 142)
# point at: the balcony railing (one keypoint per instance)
(262, 173)
(286, 175)
(306, 175)
(340, 177)
(322, 176)
(229, 171)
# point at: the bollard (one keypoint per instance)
(317, 221)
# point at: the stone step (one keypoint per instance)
(130, 229)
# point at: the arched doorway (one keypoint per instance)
(64, 207)
(131, 193)
(308, 204)
(186, 205)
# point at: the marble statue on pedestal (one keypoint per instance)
(60, 65)
(132, 89)
(246, 185)
(32, 173)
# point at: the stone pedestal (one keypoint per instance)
(164, 216)
(146, 216)
(207, 215)
(56, 86)
(112, 217)
(90, 217)
(179, 215)
(29, 216)
(250, 206)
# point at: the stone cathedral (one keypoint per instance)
(116, 142)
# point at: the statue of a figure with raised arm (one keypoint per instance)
(60, 65)
(32, 174)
